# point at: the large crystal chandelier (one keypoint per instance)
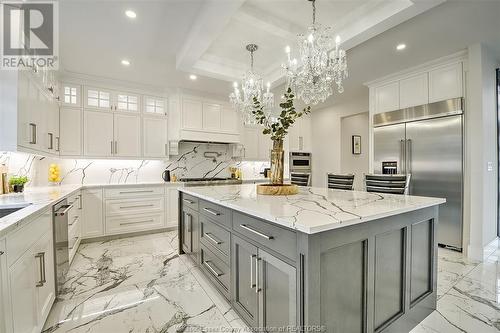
(320, 68)
(251, 86)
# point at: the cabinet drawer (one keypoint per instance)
(215, 212)
(133, 223)
(21, 240)
(216, 237)
(113, 193)
(216, 270)
(189, 201)
(279, 239)
(135, 206)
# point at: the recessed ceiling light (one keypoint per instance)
(125, 62)
(193, 77)
(130, 13)
(401, 47)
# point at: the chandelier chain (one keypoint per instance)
(314, 12)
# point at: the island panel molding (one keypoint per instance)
(282, 266)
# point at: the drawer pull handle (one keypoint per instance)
(136, 206)
(188, 201)
(67, 208)
(41, 258)
(141, 191)
(74, 221)
(212, 238)
(257, 288)
(211, 211)
(211, 269)
(252, 284)
(258, 233)
(135, 222)
(75, 241)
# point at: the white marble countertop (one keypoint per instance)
(34, 200)
(314, 209)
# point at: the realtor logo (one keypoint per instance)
(29, 36)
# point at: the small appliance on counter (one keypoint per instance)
(166, 175)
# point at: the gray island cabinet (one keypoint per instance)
(323, 260)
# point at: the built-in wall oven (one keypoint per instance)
(300, 168)
(300, 161)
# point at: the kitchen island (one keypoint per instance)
(322, 260)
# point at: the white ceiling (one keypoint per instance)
(170, 39)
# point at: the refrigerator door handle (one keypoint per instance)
(402, 153)
(408, 155)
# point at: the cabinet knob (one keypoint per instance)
(1, 252)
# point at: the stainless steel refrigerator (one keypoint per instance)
(427, 142)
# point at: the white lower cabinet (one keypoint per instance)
(172, 207)
(45, 286)
(31, 277)
(93, 223)
(22, 276)
(5, 321)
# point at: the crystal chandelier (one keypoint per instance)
(251, 86)
(319, 68)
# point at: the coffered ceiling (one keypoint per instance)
(220, 52)
(171, 39)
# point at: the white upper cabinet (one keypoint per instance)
(229, 119)
(71, 95)
(126, 102)
(211, 116)
(155, 106)
(127, 135)
(257, 146)
(299, 135)
(71, 132)
(251, 143)
(98, 134)
(414, 91)
(155, 140)
(192, 114)
(445, 82)
(387, 97)
(433, 83)
(97, 98)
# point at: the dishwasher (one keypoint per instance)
(61, 251)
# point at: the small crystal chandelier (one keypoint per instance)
(319, 69)
(251, 86)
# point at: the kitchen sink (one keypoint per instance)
(10, 210)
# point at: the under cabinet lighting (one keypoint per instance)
(125, 62)
(193, 77)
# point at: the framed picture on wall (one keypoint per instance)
(356, 144)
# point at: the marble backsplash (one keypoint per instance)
(201, 160)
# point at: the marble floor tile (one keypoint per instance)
(106, 265)
(147, 307)
(141, 284)
(452, 266)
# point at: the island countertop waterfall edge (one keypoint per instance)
(385, 244)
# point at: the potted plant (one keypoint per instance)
(278, 129)
(17, 183)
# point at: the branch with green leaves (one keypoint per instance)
(279, 129)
